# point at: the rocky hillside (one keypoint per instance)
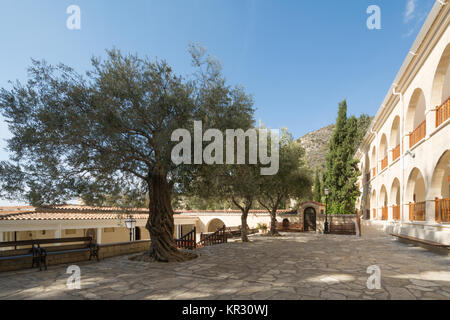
(316, 143)
(316, 146)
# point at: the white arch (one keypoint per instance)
(441, 82)
(416, 110)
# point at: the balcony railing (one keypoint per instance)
(442, 210)
(396, 153)
(417, 211)
(384, 163)
(396, 213)
(443, 113)
(418, 134)
(384, 213)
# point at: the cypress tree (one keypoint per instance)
(317, 187)
(342, 170)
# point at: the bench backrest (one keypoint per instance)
(44, 241)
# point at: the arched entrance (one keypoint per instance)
(309, 217)
(214, 225)
(415, 196)
(440, 188)
(92, 233)
(137, 233)
(395, 200)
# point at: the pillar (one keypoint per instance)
(99, 235)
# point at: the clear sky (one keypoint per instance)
(298, 58)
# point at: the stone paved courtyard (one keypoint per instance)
(295, 266)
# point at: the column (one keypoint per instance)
(430, 211)
(99, 235)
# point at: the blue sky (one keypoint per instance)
(298, 58)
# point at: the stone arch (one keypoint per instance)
(383, 148)
(373, 200)
(415, 187)
(440, 180)
(395, 192)
(441, 82)
(383, 198)
(415, 114)
(394, 139)
(214, 225)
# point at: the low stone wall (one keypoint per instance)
(106, 251)
(336, 219)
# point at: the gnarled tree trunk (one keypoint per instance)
(244, 216)
(160, 223)
(273, 223)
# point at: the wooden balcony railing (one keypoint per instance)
(374, 172)
(418, 134)
(442, 210)
(443, 113)
(396, 153)
(384, 163)
(417, 211)
(384, 213)
(396, 213)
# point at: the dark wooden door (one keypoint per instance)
(310, 219)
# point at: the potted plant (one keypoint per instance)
(262, 228)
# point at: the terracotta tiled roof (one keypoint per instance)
(78, 212)
(68, 212)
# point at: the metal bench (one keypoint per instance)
(35, 252)
(39, 254)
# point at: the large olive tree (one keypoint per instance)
(109, 132)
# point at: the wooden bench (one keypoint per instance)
(421, 241)
(343, 229)
(39, 254)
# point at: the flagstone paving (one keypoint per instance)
(294, 267)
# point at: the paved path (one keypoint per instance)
(296, 266)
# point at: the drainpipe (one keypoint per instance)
(376, 170)
(402, 132)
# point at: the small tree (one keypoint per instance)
(291, 181)
(317, 187)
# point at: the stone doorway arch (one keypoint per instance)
(309, 219)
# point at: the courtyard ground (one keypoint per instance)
(295, 267)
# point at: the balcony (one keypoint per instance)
(384, 213)
(443, 113)
(417, 211)
(418, 134)
(396, 153)
(442, 210)
(396, 213)
(384, 163)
